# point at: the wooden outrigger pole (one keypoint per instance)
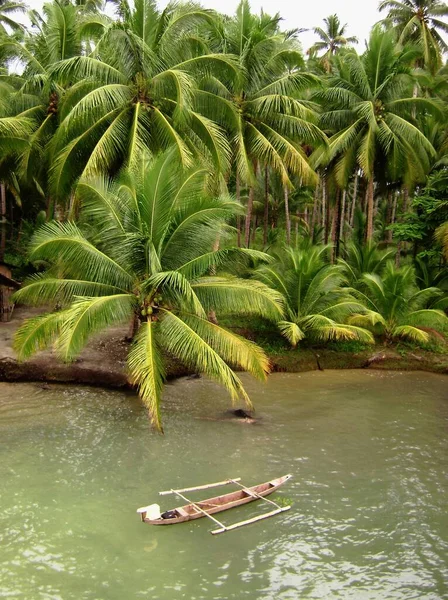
(204, 512)
(278, 510)
(201, 487)
(249, 521)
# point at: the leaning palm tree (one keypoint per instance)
(142, 254)
(369, 107)
(317, 305)
(332, 38)
(397, 308)
(420, 21)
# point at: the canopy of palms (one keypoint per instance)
(135, 91)
(332, 38)
(397, 308)
(261, 110)
(369, 108)
(36, 95)
(420, 21)
(144, 254)
(317, 305)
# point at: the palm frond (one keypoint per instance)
(38, 333)
(234, 349)
(87, 316)
(146, 369)
(182, 341)
(230, 295)
(291, 331)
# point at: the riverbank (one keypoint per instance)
(103, 361)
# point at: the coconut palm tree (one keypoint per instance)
(397, 308)
(420, 21)
(135, 91)
(55, 35)
(14, 136)
(332, 38)
(317, 305)
(261, 110)
(363, 258)
(142, 254)
(369, 106)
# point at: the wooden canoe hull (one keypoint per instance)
(220, 503)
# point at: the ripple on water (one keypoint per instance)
(368, 451)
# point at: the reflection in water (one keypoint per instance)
(368, 451)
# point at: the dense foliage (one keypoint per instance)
(169, 167)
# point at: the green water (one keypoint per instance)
(369, 455)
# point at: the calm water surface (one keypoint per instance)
(369, 455)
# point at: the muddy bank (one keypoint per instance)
(103, 362)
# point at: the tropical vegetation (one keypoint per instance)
(174, 168)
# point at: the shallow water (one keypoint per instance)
(369, 455)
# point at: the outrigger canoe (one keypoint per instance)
(206, 508)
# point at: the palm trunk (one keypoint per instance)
(2, 220)
(328, 219)
(336, 228)
(287, 215)
(342, 219)
(324, 201)
(254, 228)
(369, 208)
(133, 328)
(266, 207)
(296, 229)
(250, 205)
(314, 215)
(238, 219)
(355, 196)
(212, 313)
(392, 218)
(49, 208)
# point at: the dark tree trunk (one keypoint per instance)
(369, 209)
(324, 204)
(392, 218)
(287, 215)
(314, 215)
(266, 207)
(354, 199)
(250, 205)
(328, 221)
(335, 233)
(342, 219)
(238, 219)
(2, 220)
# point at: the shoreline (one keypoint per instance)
(102, 362)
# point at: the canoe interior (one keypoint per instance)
(216, 504)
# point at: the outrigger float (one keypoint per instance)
(207, 508)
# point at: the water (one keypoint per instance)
(368, 451)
